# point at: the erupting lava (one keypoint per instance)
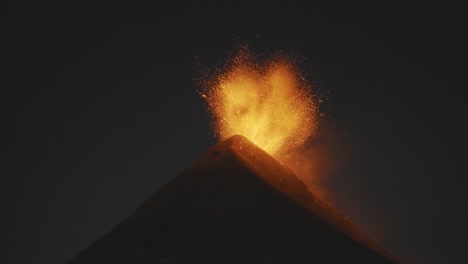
(268, 102)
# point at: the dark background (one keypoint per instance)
(100, 110)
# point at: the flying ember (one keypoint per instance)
(268, 102)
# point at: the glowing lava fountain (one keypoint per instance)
(268, 102)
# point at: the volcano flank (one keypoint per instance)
(234, 204)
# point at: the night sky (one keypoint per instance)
(100, 110)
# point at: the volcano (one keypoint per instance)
(234, 204)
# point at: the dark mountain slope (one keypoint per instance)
(234, 204)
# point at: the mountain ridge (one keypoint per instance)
(233, 202)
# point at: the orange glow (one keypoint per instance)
(268, 102)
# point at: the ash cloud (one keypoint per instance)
(330, 165)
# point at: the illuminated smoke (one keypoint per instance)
(268, 102)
